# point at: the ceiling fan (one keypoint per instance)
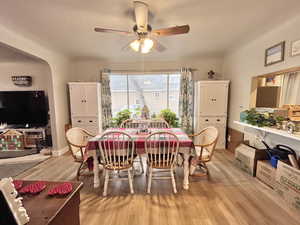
(145, 35)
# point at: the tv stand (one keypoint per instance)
(32, 135)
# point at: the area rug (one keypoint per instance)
(13, 167)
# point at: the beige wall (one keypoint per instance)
(59, 67)
(39, 71)
(89, 69)
(244, 62)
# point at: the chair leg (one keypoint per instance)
(78, 171)
(119, 175)
(173, 180)
(202, 165)
(130, 181)
(206, 168)
(149, 180)
(141, 163)
(106, 182)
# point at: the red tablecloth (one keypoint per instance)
(139, 138)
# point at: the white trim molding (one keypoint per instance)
(59, 152)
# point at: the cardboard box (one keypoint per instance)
(246, 158)
(266, 173)
(287, 184)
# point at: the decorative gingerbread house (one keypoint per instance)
(11, 140)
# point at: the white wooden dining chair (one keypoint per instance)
(132, 123)
(161, 149)
(205, 143)
(153, 123)
(158, 123)
(117, 153)
(77, 139)
(135, 124)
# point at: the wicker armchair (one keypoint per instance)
(205, 143)
(77, 139)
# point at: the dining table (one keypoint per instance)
(186, 147)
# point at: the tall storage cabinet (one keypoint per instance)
(85, 101)
(211, 100)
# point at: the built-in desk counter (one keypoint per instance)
(282, 133)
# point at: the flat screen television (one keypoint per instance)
(23, 108)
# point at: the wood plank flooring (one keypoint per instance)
(229, 197)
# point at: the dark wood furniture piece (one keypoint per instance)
(57, 210)
(235, 138)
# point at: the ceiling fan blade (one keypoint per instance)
(104, 30)
(158, 46)
(126, 47)
(172, 30)
(141, 15)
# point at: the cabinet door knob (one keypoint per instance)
(91, 121)
(218, 120)
(79, 121)
(206, 120)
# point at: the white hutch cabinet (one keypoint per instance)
(85, 101)
(211, 100)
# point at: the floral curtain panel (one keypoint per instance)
(186, 100)
(106, 100)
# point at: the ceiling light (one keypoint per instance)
(146, 45)
(135, 45)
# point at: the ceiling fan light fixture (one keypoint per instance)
(146, 46)
(135, 45)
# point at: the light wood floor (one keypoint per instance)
(229, 197)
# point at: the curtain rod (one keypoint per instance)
(146, 71)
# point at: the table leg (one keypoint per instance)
(186, 157)
(96, 170)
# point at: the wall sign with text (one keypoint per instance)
(22, 81)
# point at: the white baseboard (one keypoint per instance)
(59, 152)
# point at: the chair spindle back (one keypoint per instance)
(162, 149)
(117, 150)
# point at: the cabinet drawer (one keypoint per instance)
(78, 121)
(91, 121)
(212, 120)
(86, 121)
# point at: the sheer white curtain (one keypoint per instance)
(291, 89)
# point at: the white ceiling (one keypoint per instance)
(67, 25)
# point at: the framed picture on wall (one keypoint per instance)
(295, 48)
(275, 54)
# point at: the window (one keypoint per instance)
(157, 91)
(156, 94)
